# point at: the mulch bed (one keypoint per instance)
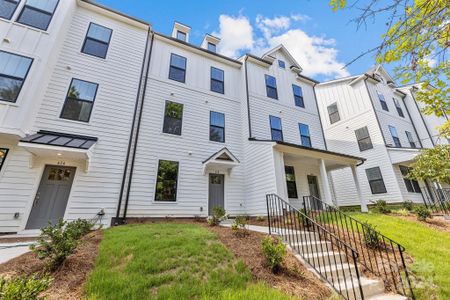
(437, 222)
(68, 280)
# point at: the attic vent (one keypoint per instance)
(224, 156)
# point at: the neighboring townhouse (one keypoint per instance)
(69, 79)
(366, 115)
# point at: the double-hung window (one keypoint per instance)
(3, 153)
(305, 136)
(216, 127)
(333, 113)
(217, 80)
(382, 101)
(395, 137)
(173, 118)
(167, 181)
(37, 13)
(298, 96)
(398, 107)
(290, 182)
(363, 138)
(7, 8)
(276, 129)
(271, 87)
(79, 100)
(212, 47)
(97, 40)
(376, 181)
(412, 185)
(13, 72)
(410, 139)
(177, 70)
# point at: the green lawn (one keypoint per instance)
(430, 249)
(170, 261)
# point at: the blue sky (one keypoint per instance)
(321, 40)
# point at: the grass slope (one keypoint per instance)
(429, 247)
(170, 261)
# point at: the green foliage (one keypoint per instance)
(408, 205)
(238, 226)
(402, 212)
(381, 207)
(260, 218)
(371, 236)
(274, 251)
(218, 215)
(58, 241)
(432, 164)
(23, 288)
(422, 213)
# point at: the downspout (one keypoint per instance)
(423, 120)
(412, 122)
(122, 187)
(320, 118)
(248, 100)
(374, 111)
(138, 129)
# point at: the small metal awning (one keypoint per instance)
(60, 145)
(222, 160)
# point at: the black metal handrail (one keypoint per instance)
(436, 200)
(378, 254)
(308, 238)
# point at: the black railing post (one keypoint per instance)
(406, 272)
(268, 213)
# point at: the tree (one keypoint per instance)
(432, 164)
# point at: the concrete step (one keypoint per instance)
(370, 287)
(337, 271)
(325, 258)
(388, 297)
(312, 246)
(301, 235)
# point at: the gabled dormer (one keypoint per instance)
(380, 74)
(291, 63)
(181, 32)
(210, 43)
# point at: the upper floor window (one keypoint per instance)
(97, 40)
(382, 101)
(38, 14)
(410, 139)
(3, 153)
(376, 181)
(412, 185)
(290, 182)
(271, 87)
(217, 127)
(305, 136)
(212, 47)
(181, 36)
(333, 113)
(217, 80)
(173, 118)
(298, 96)
(177, 70)
(281, 64)
(167, 181)
(395, 137)
(7, 8)
(276, 129)
(363, 137)
(398, 107)
(79, 100)
(13, 72)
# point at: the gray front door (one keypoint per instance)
(216, 191)
(314, 191)
(51, 198)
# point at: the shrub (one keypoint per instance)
(217, 216)
(371, 237)
(302, 219)
(381, 207)
(274, 251)
(402, 212)
(408, 205)
(423, 213)
(260, 218)
(58, 241)
(238, 226)
(23, 288)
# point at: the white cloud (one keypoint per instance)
(300, 18)
(236, 35)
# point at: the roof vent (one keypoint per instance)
(210, 43)
(181, 32)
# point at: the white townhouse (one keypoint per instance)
(69, 79)
(368, 116)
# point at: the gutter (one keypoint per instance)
(248, 99)
(423, 120)
(320, 118)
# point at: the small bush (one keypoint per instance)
(371, 237)
(260, 218)
(422, 213)
(23, 288)
(381, 207)
(274, 251)
(217, 216)
(408, 205)
(402, 212)
(302, 219)
(238, 226)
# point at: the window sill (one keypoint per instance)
(7, 103)
(171, 135)
(33, 28)
(75, 122)
(155, 202)
(92, 56)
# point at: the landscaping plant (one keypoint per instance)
(274, 251)
(371, 237)
(260, 218)
(381, 207)
(217, 216)
(408, 205)
(423, 213)
(402, 212)
(238, 227)
(23, 288)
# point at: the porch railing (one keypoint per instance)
(378, 254)
(305, 236)
(436, 200)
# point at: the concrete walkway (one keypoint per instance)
(11, 250)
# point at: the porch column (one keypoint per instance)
(326, 185)
(358, 190)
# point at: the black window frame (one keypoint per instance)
(299, 101)
(395, 137)
(331, 114)
(281, 64)
(216, 126)
(2, 162)
(40, 11)
(213, 80)
(96, 40)
(383, 102)
(410, 138)
(17, 2)
(291, 184)
(380, 179)
(184, 34)
(272, 129)
(412, 186)
(214, 46)
(363, 138)
(75, 99)
(271, 88)
(398, 107)
(308, 137)
(176, 181)
(177, 68)
(17, 78)
(165, 129)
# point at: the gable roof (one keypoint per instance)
(269, 56)
(380, 69)
(224, 155)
